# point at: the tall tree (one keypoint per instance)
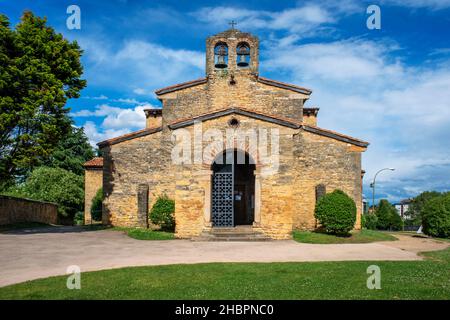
(39, 71)
(415, 209)
(71, 152)
(384, 212)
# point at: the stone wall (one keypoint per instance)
(15, 210)
(287, 197)
(144, 160)
(93, 180)
(321, 160)
(218, 93)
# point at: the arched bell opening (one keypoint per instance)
(221, 55)
(233, 189)
(243, 55)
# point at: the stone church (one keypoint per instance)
(270, 191)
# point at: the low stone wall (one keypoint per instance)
(14, 210)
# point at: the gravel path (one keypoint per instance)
(43, 252)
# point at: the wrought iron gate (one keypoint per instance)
(222, 199)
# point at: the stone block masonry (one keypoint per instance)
(16, 210)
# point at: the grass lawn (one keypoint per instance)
(428, 279)
(145, 234)
(363, 236)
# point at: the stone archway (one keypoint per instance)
(233, 189)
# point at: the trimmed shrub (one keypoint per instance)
(369, 221)
(436, 216)
(162, 213)
(336, 212)
(78, 220)
(96, 207)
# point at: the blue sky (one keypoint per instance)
(390, 87)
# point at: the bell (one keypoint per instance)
(220, 54)
(242, 61)
(220, 64)
(243, 51)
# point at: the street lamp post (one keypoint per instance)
(373, 186)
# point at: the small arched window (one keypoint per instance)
(243, 55)
(221, 55)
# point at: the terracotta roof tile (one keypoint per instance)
(96, 162)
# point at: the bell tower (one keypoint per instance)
(232, 52)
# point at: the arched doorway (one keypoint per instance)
(233, 189)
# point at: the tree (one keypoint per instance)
(388, 217)
(436, 216)
(57, 185)
(71, 152)
(40, 71)
(415, 209)
(96, 207)
(336, 212)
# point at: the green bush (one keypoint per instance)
(369, 221)
(57, 185)
(396, 222)
(436, 216)
(96, 207)
(336, 212)
(388, 218)
(162, 213)
(78, 219)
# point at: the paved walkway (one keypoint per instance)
(43, 252)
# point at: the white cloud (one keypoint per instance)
(139, 64)
(96, 136)
(431, 4)
(364, 91)
(300, 19)
(349, 60)
(116, 121)
(117, 118)
(141, 91)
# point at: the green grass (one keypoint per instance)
(145, 234)
(363, 236)
(428, 279)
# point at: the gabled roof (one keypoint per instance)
(284, 85)
(180, 86)
(223, 112)
(269, 118)
(96, 162)
(241, 111)
(263, 80)
(129, 136)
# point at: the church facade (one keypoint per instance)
(231, 149)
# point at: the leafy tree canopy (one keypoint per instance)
(39, 71)
(416, 207)
(387, 215)
(71, 152)
(54, 185)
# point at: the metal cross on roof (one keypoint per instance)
(232, 23)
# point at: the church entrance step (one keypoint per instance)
(238, 233)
